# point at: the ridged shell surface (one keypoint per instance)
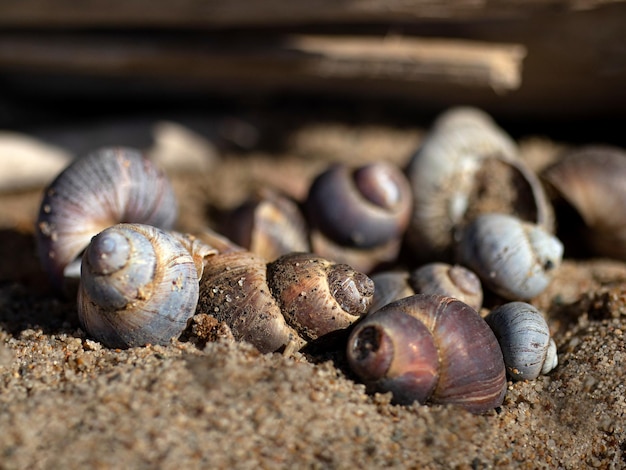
(108, 186)
(139, 286)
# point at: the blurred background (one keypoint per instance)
(101, 73)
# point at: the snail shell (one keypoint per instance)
(297, 298)
(432, 278)
(524, 337)
(139, 285)
(513, 258)
(108, 186)
(358, 215)
(592, 180)
(467, 166)
(430, 349)
(269, 225)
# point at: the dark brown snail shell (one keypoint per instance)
(592, 179)
(297, 298)
(108, 186)
(358, 215)
(269, 225)
(430, 349)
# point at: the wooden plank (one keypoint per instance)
(237, 13)
(276, 60)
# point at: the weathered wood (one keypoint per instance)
(236, 13)
(280, 60)
(221, 13)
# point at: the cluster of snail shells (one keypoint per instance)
(352, 215)
(477, 203)
(521, 330)
(140, 284)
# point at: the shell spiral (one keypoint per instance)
(108, 186)
(139, 285)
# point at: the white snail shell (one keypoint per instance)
(108, 186)
(447, 174)
(524, 338)
(515, 259)
(139, 285)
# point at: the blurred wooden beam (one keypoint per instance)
(278, 61)
(237, 13)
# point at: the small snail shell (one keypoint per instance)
(515, 259)
(592, 179)
(390, 286)
(139, 285)
(525, 340)
(106, 187)
(466, 166)
(449, 280)
(430, 349)
(297, 298)
(269, 225)
(432, 278)
(358, 216)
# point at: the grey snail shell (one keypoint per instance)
(524, 337)
(515, 259)
(467, 166)
(432, 278)
(430, 349)
(108, 186)
(358, 215)
(592, 179)
(139, 285)
(295, 299)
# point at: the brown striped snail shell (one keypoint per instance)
(297, 298)
(515, 259)
(108, 186)
(139, 285)
(466, 166)
(358, 215)
(592, 179)
(432, 278)
(524, 338)
(269, 225)
(430, 349)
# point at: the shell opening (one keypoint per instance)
(370, 353)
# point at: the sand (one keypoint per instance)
(68, 402)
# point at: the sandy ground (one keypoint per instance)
(68, 402)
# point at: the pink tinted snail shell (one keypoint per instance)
(358, 215)
(467, 166)
(108, 186)
(524, 337)
(430, 349)
(139, 285)
(432, 278)
(513, 258)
